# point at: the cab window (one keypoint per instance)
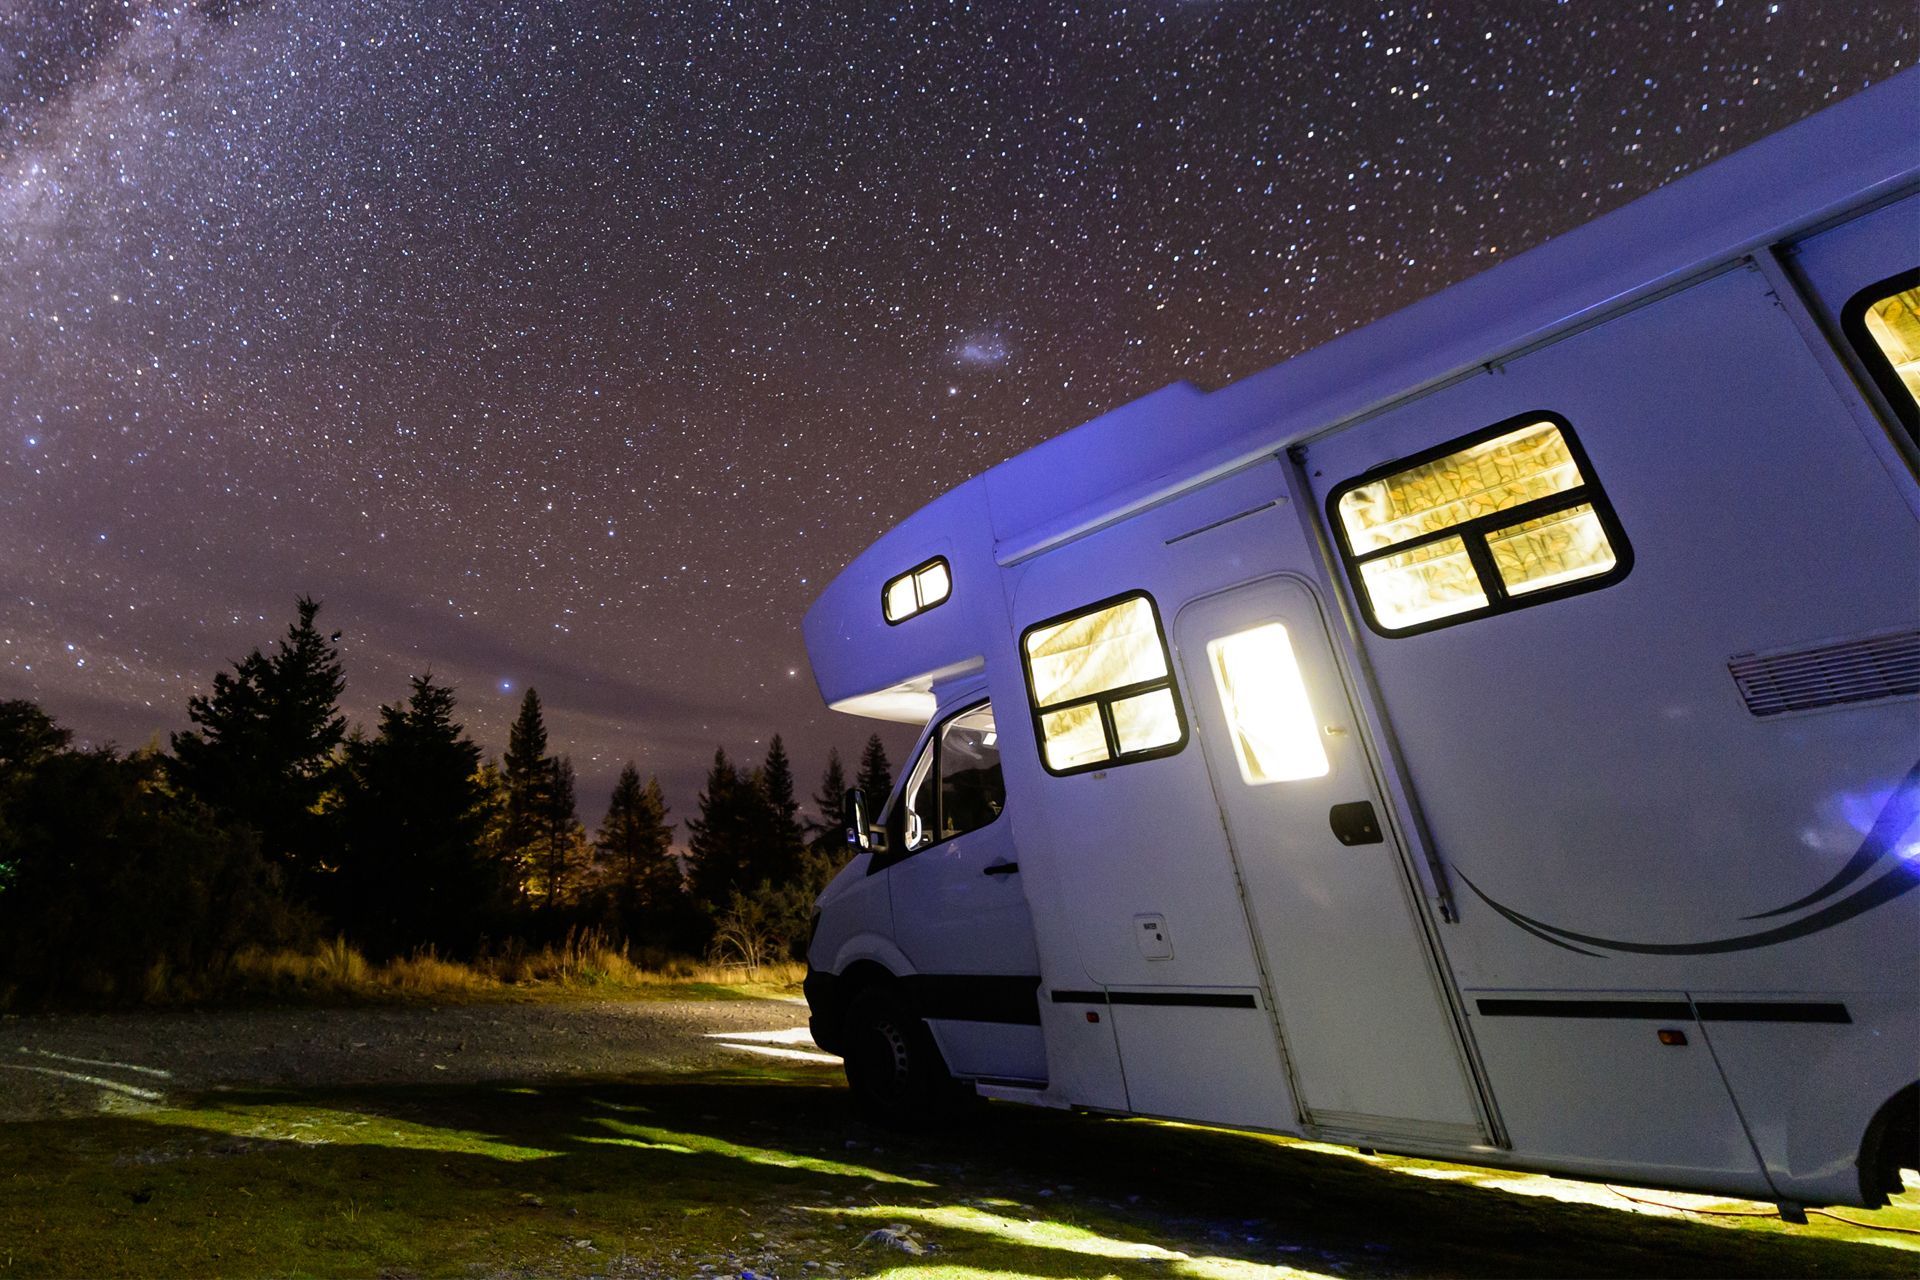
(955, 786)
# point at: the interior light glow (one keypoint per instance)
(1276, 736)
(1087, 673)
(1431, 540)
(916, 590)
(1894, 322)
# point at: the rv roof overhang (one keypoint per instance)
(1179, 438)
(894, 671)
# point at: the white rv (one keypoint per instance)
(1493, 735)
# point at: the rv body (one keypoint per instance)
(1490, 736)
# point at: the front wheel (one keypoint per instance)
(894, 1068)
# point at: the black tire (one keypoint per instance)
(894, 1068)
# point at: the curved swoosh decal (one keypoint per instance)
(1899, 813)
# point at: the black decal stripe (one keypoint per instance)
(970, 997)
(1661, 1010)
(1771, 1011)
(1667, 1010)
(1177, 999)
(1899, 814)
(1895, 882)
(1515, 918)
(1895, 817)
(1185, 999)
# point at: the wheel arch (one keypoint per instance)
(1890, 1144)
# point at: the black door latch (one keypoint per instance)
(1001, 869)
(1355, 823)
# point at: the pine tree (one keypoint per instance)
(777, 837)
(663, 887)
(636, 838)
(876, 774)
(490, 784)
(28, 736)
(413, 817)
(829, 831)
(560, 834)
(528, 777)
(266, 740)
(715, 837)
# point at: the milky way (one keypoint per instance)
(578, 345)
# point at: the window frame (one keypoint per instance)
(932, 747)
(1886, 379)
(1473, 533)
(1107, 697)
(914, 573)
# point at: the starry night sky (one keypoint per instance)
(578, 345)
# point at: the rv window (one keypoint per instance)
(1507, 517)
(1101, 686)
(916, 591)
(1276, 737)
(1883, 322)
(971, 791)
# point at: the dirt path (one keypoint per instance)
(638, 1139)
(82, 1064)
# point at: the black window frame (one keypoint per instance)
(914, 573)
(1473, 533)
(932, 747)
(1886, 379)
(1107, 697)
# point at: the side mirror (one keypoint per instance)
(862, 835)
(854, 806)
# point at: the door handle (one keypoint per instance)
(1001, 869)
(1355, 823)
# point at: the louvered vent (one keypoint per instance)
(1829, 675)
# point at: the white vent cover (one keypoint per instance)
(1829, 675)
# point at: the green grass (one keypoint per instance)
(767, 1170)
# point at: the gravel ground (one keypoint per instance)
(74, 1064)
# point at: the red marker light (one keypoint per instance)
(1671, 1036)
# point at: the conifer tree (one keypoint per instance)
(528, 775)
(635, 838)
(876, 774)
(778, 839)
(560, 834)
(663, 887)
(414, 813)
(265, 740)
(829, 831)
(717, 836)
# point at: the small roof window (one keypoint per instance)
(916, 591)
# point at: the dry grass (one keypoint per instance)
(586, 959)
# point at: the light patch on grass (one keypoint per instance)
(323, 1126)
(1029, 1233)
(701, 1144)
(1887, 1227)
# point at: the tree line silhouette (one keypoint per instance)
(270, 823)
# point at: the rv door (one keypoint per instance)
(1370, 1038)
